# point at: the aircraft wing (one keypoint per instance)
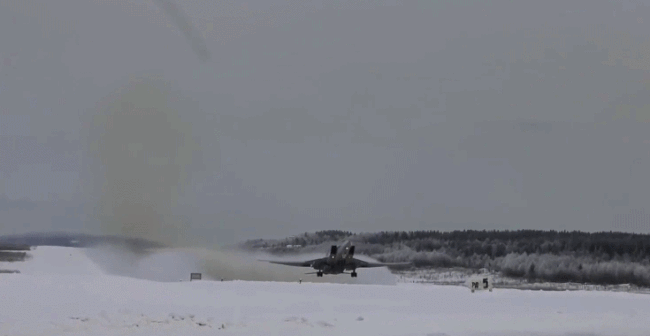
(308, 263)
(366, 264)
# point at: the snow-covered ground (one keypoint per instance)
(64, 291)
(459, 276)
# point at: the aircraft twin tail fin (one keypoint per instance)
(333, 250)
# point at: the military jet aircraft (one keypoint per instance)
(339, 260)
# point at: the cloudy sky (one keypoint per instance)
(218, 121)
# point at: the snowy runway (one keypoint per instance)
(65, 300)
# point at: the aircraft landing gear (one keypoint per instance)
(319, 274)
(354, 274)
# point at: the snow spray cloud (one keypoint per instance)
(142, 150)
(236, 265)
(176, 264)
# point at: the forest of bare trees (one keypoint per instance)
(554, 256)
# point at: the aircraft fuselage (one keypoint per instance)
(337, 262)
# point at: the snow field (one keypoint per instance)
(61, 291)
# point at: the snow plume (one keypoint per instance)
(142, 151)
(139, 151)
(141, 148)
(246, 266)
(176, 264)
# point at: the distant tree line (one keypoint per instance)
(13, 252)
(555, 256)
(11, 256)
(14, 247)
(74, 240)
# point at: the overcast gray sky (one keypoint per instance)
(269, 118)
